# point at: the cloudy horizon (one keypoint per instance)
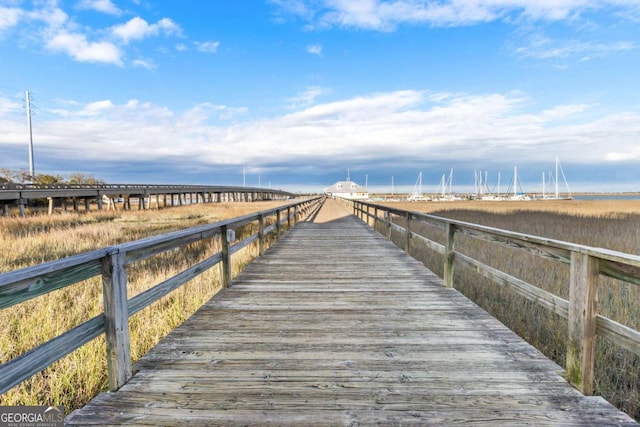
(295, 93)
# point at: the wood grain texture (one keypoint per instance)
(583, 300)
(335, 326)
(116, 320)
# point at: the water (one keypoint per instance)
(611, 196)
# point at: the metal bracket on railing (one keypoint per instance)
(231, 235)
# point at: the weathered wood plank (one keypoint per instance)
(22, 285)
(583, 293)
(619, 334)
(146, 298)
(336, 326)
(546, 299)
(537, 246)
(116, 320)
(621, 271)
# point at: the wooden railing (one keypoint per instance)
(586, 265)
(111, 263)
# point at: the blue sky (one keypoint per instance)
(296, 92)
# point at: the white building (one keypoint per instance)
(347, 190)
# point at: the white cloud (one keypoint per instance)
(386, 15)
(104, 6)
(560, 112)
(144, 63)
(137, 29)
(375, 129)
(540, 47)
(54, 18)
(622, 157)
(208, 47)
(79, 48)
(96, 108)
(307, 97)
(315, 49)
(60, 34)
(48, 24)
(199, 115)
(8, 106)
(9, 17)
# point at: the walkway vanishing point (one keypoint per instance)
(335, 326)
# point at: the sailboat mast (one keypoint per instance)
(485, 185)
(557, 179)
(475, 183)
(515, 181)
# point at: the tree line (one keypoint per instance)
(22, 177)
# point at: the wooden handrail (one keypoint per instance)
(586, 264)
(22, 285)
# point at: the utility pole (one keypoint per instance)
(31, 166)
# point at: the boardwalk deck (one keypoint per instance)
(336, 326)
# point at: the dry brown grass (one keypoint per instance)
(75, 379)
(609, 224)
(578, 208)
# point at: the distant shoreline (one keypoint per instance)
(574, 194)
(628, 195)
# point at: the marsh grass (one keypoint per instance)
(79, 376)
(608, 224)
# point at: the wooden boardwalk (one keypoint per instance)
(335, 326)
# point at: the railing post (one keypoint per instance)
(450, 231)
(226, 257)
(407, 240)
(583, 301)
(375, 216)
(261, 235)
(389, 222)
(278, 225)
(116, 320)
(289, 218)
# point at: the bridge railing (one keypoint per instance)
(111, 263)
(21, 195)
(586, 264)
(137, 187)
